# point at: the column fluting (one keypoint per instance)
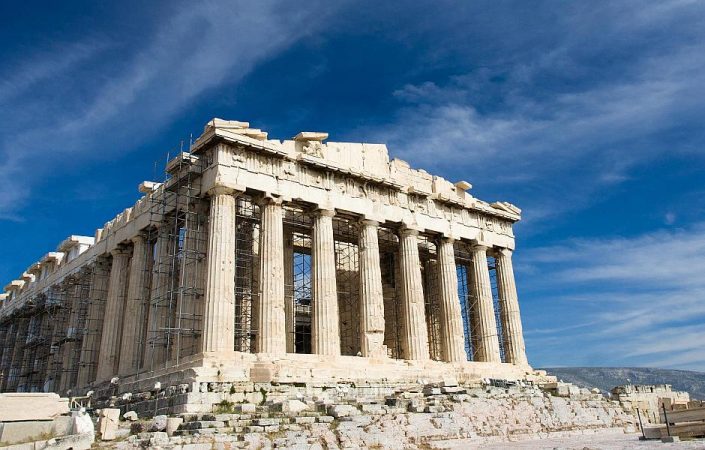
(514, 348)
(219, 313)
(452, 334)
(371, 293)
(130, 354)
(112, 321)
(93, 330)
(415, 336)
(271, 320)
(289, 291)
(486, 341)
(154, 349)
(325, 334)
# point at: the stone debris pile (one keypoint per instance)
(429, 416)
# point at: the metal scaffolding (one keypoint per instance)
(247, 228)
(389, 267)
(298, 225)
(345, 234)
(177, 241)
(92, 308)
(468, 306)
(432, 308)
(492, 266)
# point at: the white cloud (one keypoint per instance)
(192, 51)
(559, 147)
(631, 300)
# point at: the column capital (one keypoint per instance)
(267, 199)
(504, 251)
(447, 238)
(369, 222)
(141, 236)
(325, 212)
(407, 231)
(120, 251)
(478, 246)
(223, 190)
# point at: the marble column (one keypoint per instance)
(130, 351)
(325, 332)
(271, 320)
(371, 294)
(486, 341)
(94, 322)
(112, 320)
(452, 334)
(17, 355)
(415, 334)
(289, 290)
(219, 312)
(154, 347)
(514, 349)
(6, 362)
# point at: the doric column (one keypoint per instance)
(130, 353)
(17, 355)
(371, 294)
(325, 335)
(271, 320)
(452, 334)
(415, 334)
(94, 322)
(289, 291)
(219, 313)
(154, 348)
(514, 349)
(486, 341)
(6, 362)
(112, 321)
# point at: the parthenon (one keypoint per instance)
(257, 259)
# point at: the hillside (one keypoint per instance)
(605, 378)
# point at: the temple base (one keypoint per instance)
(199, 382)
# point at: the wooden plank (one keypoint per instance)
(686, 415)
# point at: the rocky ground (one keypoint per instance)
(433, 416)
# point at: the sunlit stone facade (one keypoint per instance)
(273, 261)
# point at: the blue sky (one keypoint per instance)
(587, 115)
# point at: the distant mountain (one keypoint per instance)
(605, 378)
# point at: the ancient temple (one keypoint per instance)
(263, 260)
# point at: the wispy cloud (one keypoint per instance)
(563, 125)
(133, 95)
(629, 300)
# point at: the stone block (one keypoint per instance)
(338, 411)
(158, 423)
(62, 426)
(452, 390)
(14, 432)
(159, 438)
(291, 407)
(430, 390)
(75, 441)
(248, 408)
(22, 406)
(82, 424)
(563, 390)
(266, 422)
(373, 409)
(108, 423)
(304, 420)
(172, 424)
(130, 415)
